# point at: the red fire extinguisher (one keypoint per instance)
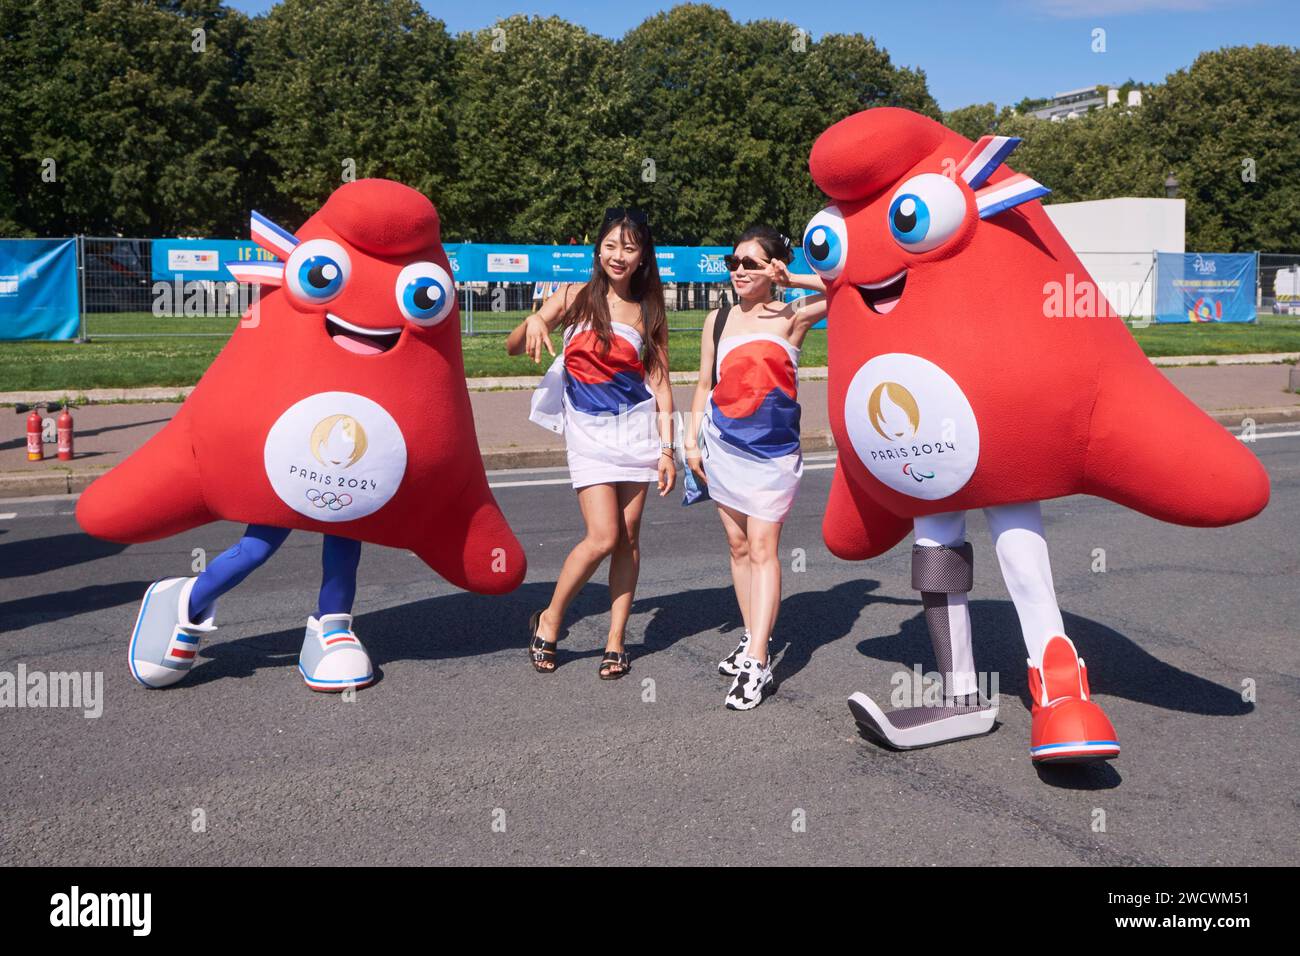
(65, 434)
(35, 443)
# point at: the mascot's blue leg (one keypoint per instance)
(338, 585)
(231, 567)
(333, 657)
(177, 613)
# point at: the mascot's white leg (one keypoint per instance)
(1068, 726)
(1017, 532)
(943, 571)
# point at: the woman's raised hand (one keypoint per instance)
(776, 271)
(536, 336)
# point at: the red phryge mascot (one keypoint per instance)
(338, 406)
(951, 388)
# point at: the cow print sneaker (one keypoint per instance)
(729, 666)
(751, 683)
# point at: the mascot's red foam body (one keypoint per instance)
(974, 364)
(338, 406)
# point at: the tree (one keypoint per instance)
(1228, 128)
(974, 121)
(728, 113)
(125, 115)
(1096, 156)
(538, 109)
(344, 89)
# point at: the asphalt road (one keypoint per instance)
(461, 754)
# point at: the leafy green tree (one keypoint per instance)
(1092, 157)
(343, 89)
(728, 113)
(538, 108)
(126, 115)
(974, 121)
(1232, 117)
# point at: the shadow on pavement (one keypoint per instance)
(38, 555)
(1117, 667)
(463, 625)
(44, 608)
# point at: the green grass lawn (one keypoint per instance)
(144, 358)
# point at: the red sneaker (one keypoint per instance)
(1068, 727)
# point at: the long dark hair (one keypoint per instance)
(590, 305)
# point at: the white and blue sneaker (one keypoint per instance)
(752, 681)
(165, 641)
(332, 658)
(729, 665)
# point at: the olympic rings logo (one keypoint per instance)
(328, 499)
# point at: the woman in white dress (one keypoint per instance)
(746, 404)
(608, 392)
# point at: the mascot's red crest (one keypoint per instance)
(973, 362)
(339, 405)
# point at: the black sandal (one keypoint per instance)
(612, 660)
(540, 651)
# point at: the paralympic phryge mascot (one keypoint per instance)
(339, 405)
(955, 384)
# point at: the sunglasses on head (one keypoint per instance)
(743, 262)
(615, 213)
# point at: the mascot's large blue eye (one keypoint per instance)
(320, 276)
(317, 271)
(926, 211)
(909, 218)
(425, 293)
(826, 242)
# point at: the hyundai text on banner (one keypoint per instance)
(38, 289)
(1205, 287)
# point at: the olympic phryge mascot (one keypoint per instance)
(955, 384)
(339, 405)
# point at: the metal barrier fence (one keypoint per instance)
(120, 298)
(1279, 283)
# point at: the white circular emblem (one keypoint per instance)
(912, 426)
(335, 456)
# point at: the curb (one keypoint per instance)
(517, 382)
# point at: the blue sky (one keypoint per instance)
(972, 52)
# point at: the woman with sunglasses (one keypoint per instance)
(747, 404)
(608, 392)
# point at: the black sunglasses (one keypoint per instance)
(615, 213)
(738, 262)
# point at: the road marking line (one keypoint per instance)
(7, 515)
(818, 465)
(808, 466)
(1258, 435)
(526, 484)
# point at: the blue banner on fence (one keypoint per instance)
(38, 289)
(470, 261)
(1205, 287)
(489, 262)
(191, 259)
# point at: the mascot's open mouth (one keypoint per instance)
(358, 338)
(881, 297)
